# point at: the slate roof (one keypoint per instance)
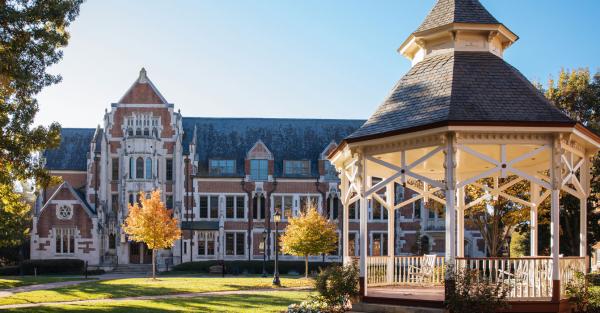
(287, 139)
(73, 150)
(460, 86)
(445, 12)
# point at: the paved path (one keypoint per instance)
(172, 296)
(11, 291)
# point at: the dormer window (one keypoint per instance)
(330, 172)
(296, 168)
(259, 169)
(221, 167)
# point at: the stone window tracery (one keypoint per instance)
(64, 212)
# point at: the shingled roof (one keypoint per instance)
(471, 87)
(456, 11)
(287, 139)
(73, 150)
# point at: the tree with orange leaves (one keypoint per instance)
(152, 223)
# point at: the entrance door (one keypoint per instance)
(147, 254)
(134, 252)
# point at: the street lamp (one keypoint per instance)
(264, 272)
(276, 218)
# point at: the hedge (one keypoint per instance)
(10, 270)
(251, 267)
(54, 266)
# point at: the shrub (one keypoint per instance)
(312, 305)
(578, 291)
(250, 267)
(54, 266)
(593, 279)
(9, 270)
(338, 285)
(475, 294)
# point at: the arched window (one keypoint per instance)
(146, 132)
(155, 132)
(131, 167)
(138, 131)
(148, 168)
(130, 131)
(139, 168)
(112, 241)
(131, 199)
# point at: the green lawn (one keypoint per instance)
(132, 287)
(18, 281)
(263, 302)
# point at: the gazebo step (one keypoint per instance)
(363, 307)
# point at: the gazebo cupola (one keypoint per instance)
(462, 117)
(457, 25)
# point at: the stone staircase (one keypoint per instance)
(363, 307)
(133, 269)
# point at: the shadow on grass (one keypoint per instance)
(264, 303)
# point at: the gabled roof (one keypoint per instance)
(143, 91)
(73, 150)
(455, 87)
(287, 139)
(447, 12)
(78, 194)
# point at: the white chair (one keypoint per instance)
(424, 272)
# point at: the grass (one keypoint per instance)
(132, 287)
(263, 302)
(7, 282)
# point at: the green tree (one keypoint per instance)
(309, 234)
(31, 36)
(577, 94)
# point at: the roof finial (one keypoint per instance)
(143, 78)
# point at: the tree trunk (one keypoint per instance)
(153, 264)
(306, 266)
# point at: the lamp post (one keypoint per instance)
(276, 218)
(264, 272)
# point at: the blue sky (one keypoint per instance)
(285, 58)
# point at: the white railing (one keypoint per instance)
(525, 278)
(405, 270)
(568, 267)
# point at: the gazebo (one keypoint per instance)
(462, 118)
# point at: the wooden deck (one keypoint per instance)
(408, 293)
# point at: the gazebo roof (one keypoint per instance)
(459, 87)
(456, 11)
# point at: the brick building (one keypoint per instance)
(222, 176)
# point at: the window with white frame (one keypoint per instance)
(221, 167)
(207, 242)
(259, 169)
(378, 211)
(333, 207)
(336, 250)
(296, 167)
(259, 209)
(209, 207)
(378, 244)
(353, 244)
(141, 123)
(235, 243)
(354, 210)
(65, 240)
(285, 205)
(308, 201)
(416, 206)
(235, 207)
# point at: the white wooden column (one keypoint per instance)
(390, 199)
(364, 216)
(460, 223)
(449, 165)
(345, 219)
(533, 219)
(585, 182)
(555, 172)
